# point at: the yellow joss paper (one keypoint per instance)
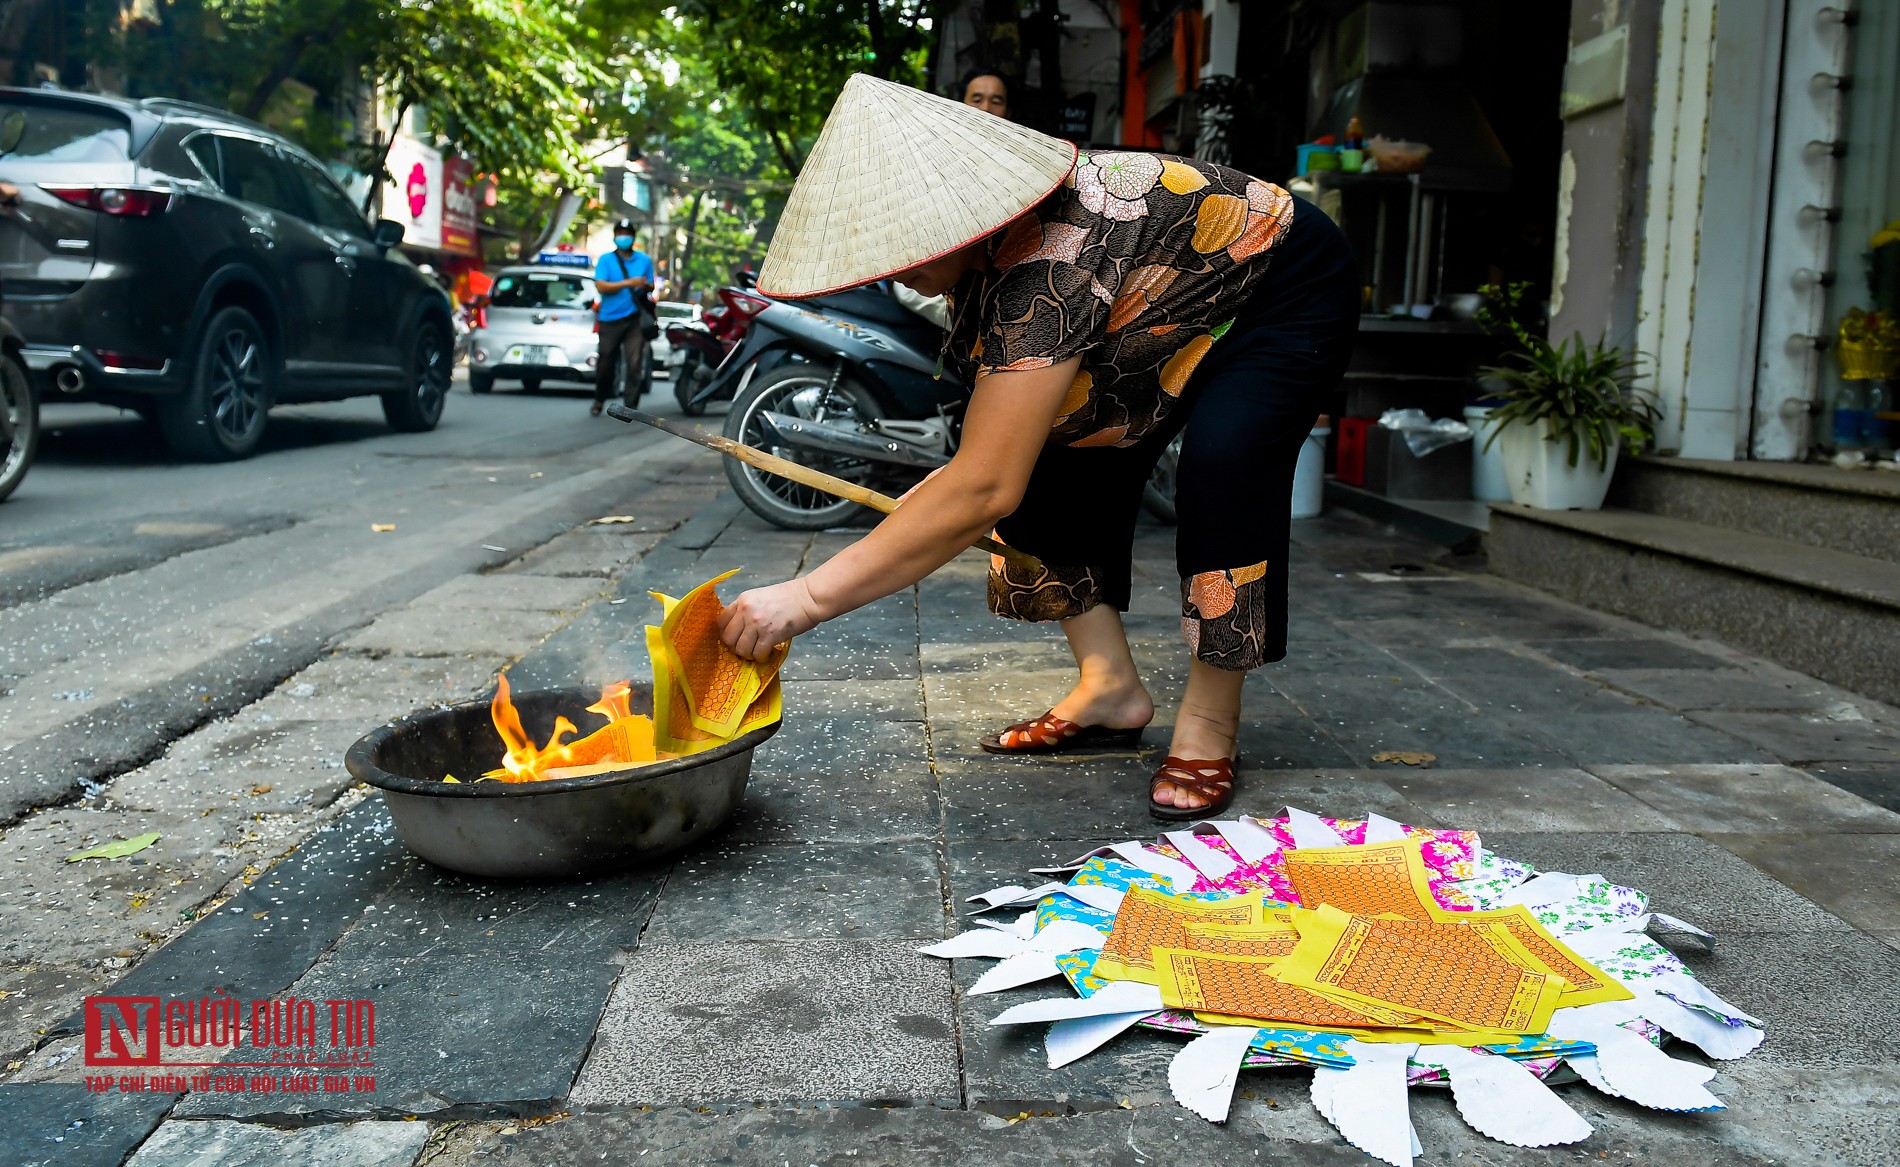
(1245, 989)
(1585, 983)
(1268, 940)
(1370, 880)
(1149, 919)
(720, 687)
(1468, 976)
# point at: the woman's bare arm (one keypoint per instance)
(1004, 429)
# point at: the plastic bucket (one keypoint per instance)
(1489, 483)
(1309, 473)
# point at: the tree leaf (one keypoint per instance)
(117, 849)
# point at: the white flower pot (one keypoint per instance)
(1540, 474)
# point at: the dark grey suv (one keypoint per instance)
(180, 261)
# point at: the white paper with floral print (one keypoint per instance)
(1501, 1091)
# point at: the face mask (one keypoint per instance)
(624, 242)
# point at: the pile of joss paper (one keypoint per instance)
(703, 696)
(1379, 955)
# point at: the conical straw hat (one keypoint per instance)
(898, 177)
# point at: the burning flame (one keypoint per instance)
(626, 740)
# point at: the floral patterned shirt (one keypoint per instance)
(1138, 262)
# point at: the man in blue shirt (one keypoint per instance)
(624, 281)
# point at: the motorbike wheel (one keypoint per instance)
(802, 390)
(683, 390)
(1158, 495)
(19, 422)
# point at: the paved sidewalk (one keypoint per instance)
(760, 1000)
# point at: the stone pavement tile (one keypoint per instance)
(251, 763)
(1366, 719)
(1855, 876)
(1876, 782)
(1635, 653)
(823, 749)
(1714, 799)
(1683, 875)
(450, 632)
(1723, 689)
(241, 1144)
(1333, 792)
(583, 553)
(262, 939)
(485, 993)
(845, 664)
(1524, 800)
(369, 691)
(1797, 739)
(1001, 695)
(1006, 1070)
(821, 1021)
(497, 592)
(913, 1137)
(1610, 729)
(68, 1126)
(1279, 742)
(1825, 996)
(62, 913)
(1040, 654)
(1049, 798)
(785, 805)
(721, 894)
(868, 700)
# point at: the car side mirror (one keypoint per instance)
(388, 233)
(592, 304)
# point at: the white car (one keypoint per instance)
(672, 312)
(540, 327)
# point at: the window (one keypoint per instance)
(329, 207)
(542, 289)
(255, 173)
(204, 151)
(57, 134)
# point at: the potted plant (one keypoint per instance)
(1565, 412)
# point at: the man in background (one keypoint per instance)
(624, 281)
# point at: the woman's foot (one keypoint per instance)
(1198, 788)
(594, 410)
(1205, 728)
(1104, 716)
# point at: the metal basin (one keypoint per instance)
(535, 830)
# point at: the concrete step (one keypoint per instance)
(1828, 613)
(1856, 511)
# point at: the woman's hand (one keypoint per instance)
(764, 618)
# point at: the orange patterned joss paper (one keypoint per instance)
(1148, 920)
(1246, 987)
(720, 687)
(1370, 880)
(1471, 975)
(1268, 940)
(1586, 983)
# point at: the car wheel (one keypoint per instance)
(531, 384)
(481, 382)
(416, 409)
(231, 385)
(19, 423)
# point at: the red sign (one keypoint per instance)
(301, 1046)
(458, 207)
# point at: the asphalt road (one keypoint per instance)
(141, 595)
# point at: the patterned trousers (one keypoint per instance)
(1243, 419)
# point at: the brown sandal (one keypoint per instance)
(1050, 734)
(1211, 779)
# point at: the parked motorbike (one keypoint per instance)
(858, 401)
(706, 342)
(19, 412)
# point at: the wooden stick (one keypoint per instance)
(803, 475)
